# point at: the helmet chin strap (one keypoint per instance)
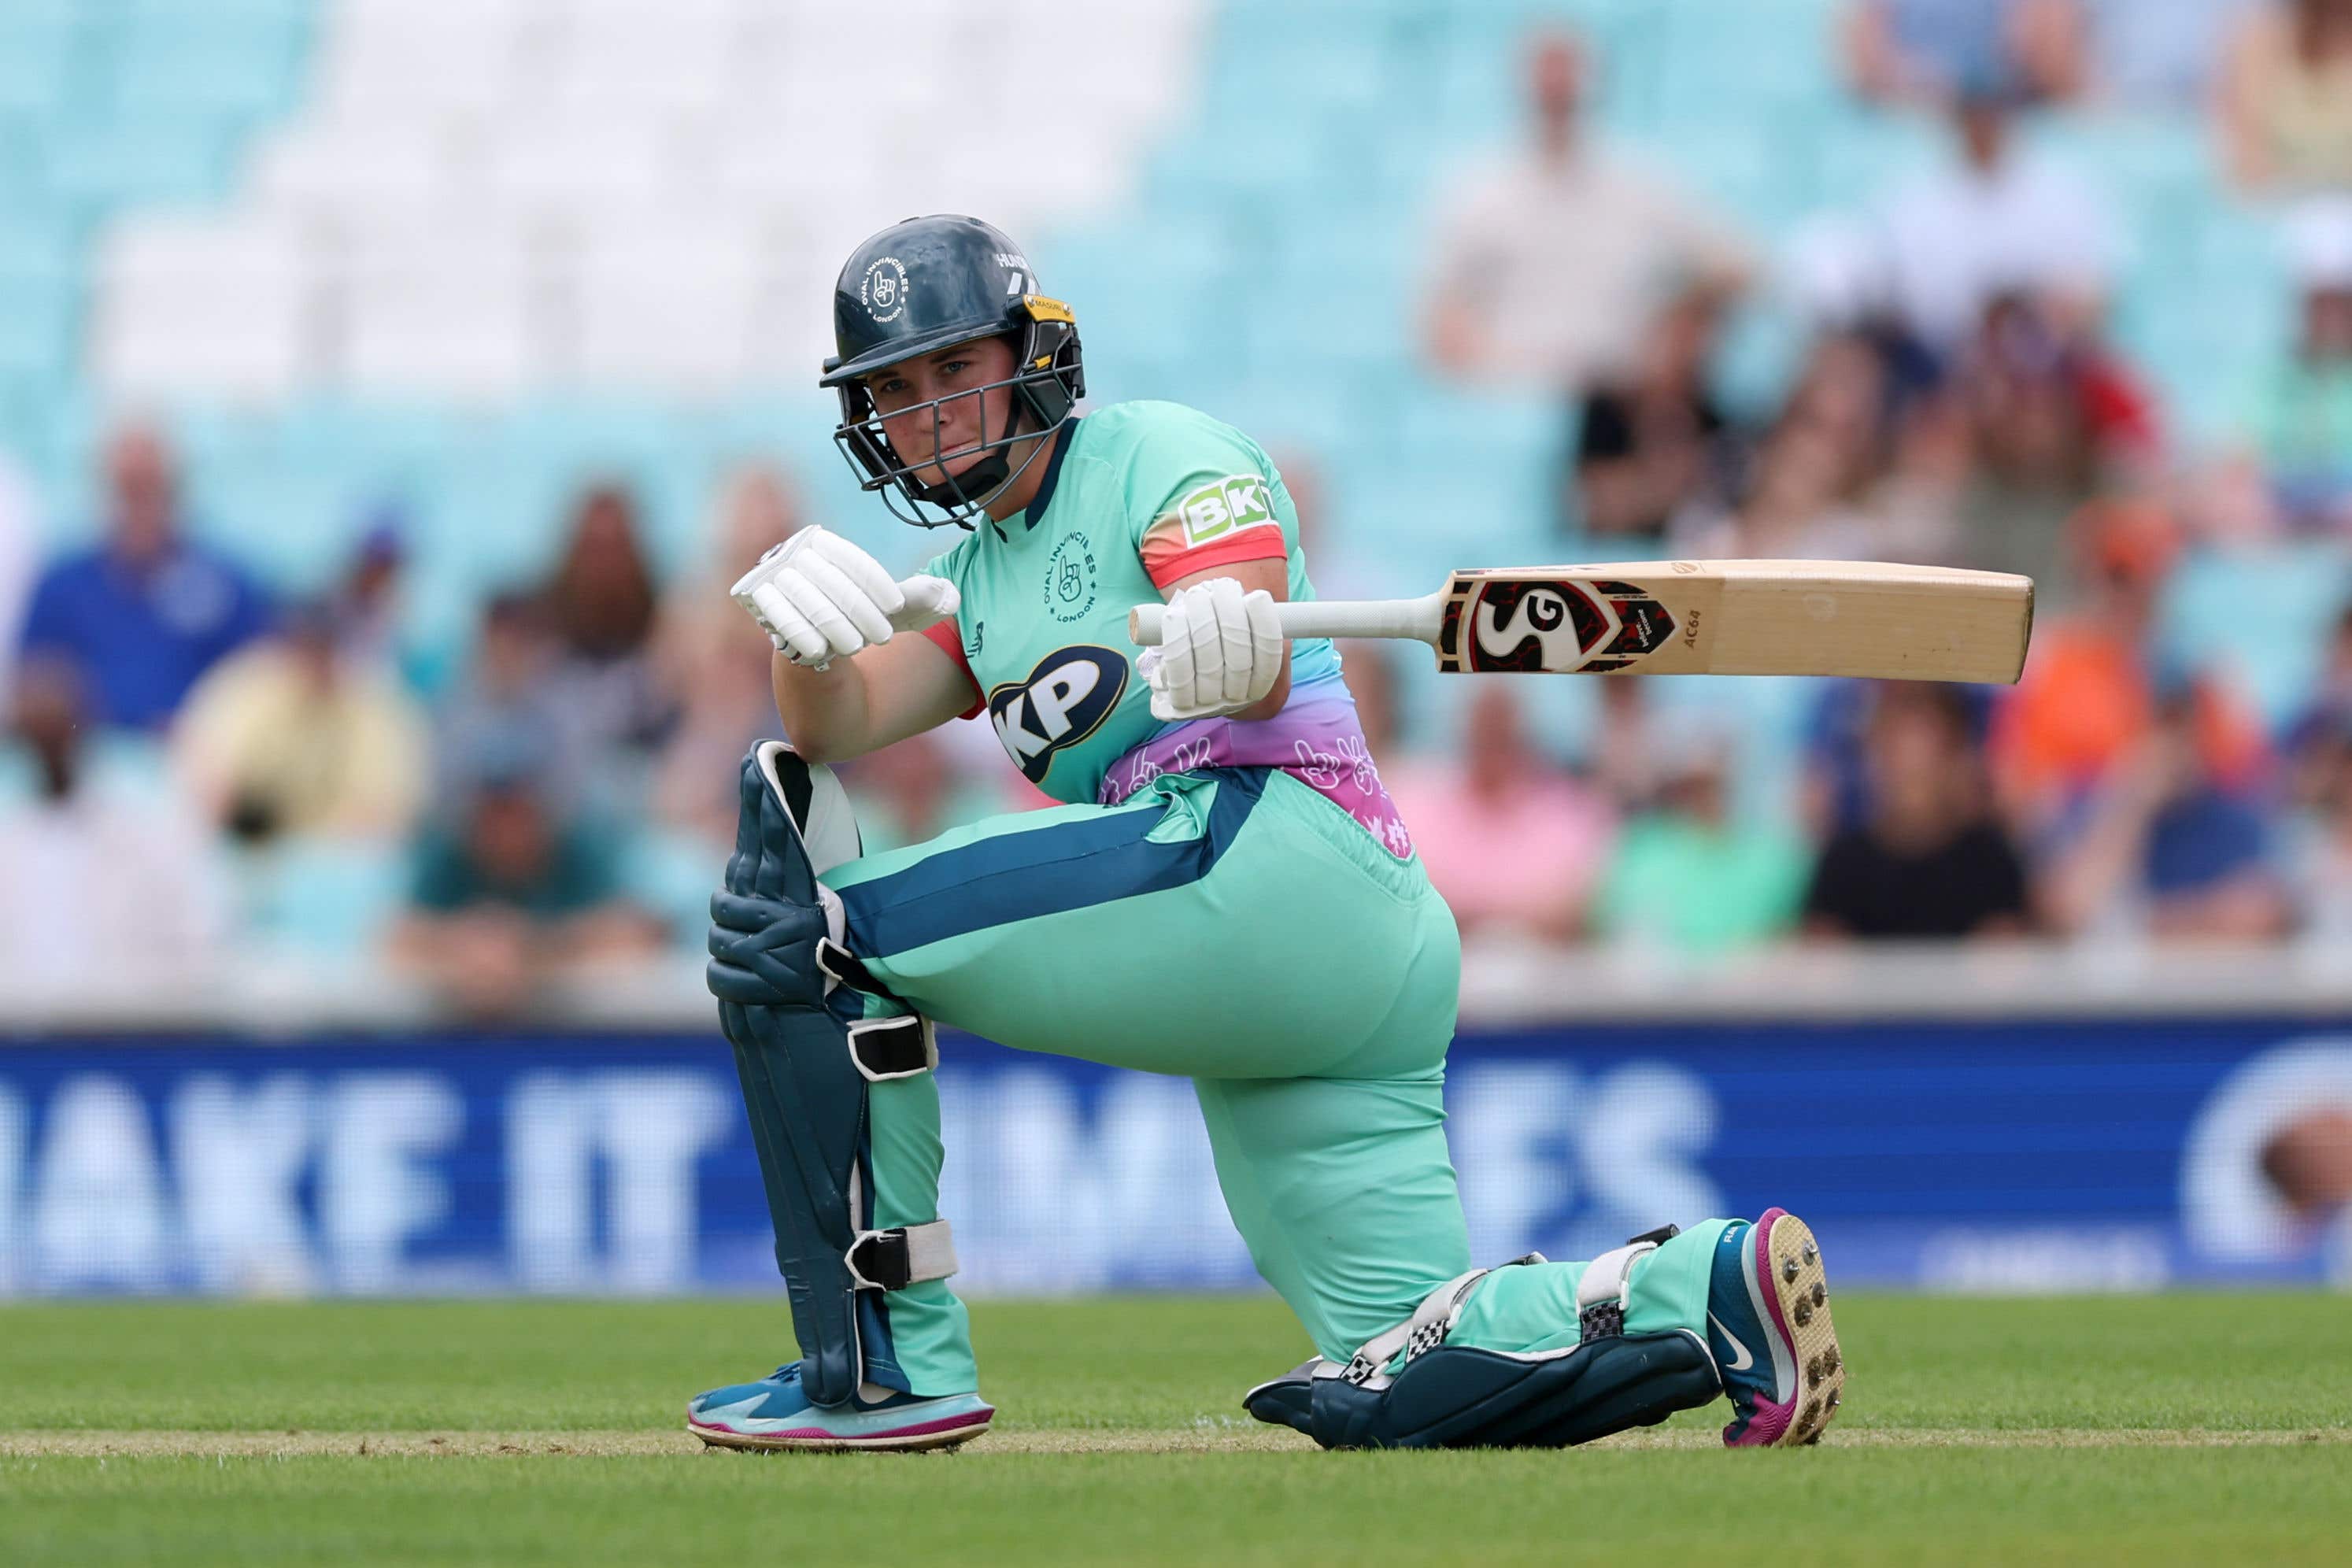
(984, 480)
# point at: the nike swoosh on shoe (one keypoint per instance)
(1742, 1360)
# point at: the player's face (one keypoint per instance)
(967, 416)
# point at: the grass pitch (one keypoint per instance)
(2173, 1428)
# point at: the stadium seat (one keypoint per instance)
(199, 308)
(322, 898)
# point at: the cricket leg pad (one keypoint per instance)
(1409, 1388)
(806, 1054)
(1458, 1396)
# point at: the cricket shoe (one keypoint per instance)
(776, 1413)
(1768, 1319)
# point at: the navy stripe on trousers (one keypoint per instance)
(1019, 876)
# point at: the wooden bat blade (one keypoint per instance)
(1739, 617)
(1698, 617)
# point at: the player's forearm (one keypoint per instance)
(826, 712)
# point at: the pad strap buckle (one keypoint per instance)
(894, 1259)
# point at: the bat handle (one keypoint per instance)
(1321, 618)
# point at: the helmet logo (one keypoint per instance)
(884, 290)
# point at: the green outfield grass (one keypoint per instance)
(2174, 1428)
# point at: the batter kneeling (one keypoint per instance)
(1228, 895)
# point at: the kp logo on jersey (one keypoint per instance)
(1065, 699)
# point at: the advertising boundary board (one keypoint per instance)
(2015, 1155)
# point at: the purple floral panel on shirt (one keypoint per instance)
(1316, 739)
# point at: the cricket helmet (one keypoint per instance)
(924, 285)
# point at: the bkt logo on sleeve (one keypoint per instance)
(1065, 699)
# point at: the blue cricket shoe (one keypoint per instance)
(1768, 1320)
(775, 1412)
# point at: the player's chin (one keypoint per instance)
(954, 466)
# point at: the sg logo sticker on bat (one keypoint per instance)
(1561, 626)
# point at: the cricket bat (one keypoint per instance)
(1696, 617)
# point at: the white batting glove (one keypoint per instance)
(819, 598)
(1220, 650)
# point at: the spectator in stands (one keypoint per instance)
(2088, 700)
(510, 894)
(2325, 719)
(1929, 861)
(2301, 419)
(1629, 750)
(295, 735)
(148, 610)
(1512, 842)
(2054, 415)
(2165, 844)
(367, 602)
(2285, 109)
(718, 667)
(1996, 223)
(1930, 53)
(1552, 271)
(507, 704)
(17, 530)
(1689, 876)
(86, 864)
(1838, 793)
(2320, 863)
(1809, 490)
(1656, 451)
(603, 604)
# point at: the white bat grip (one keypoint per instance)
(1323, 618)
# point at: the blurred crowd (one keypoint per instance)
(198, 764)
(1961, 401)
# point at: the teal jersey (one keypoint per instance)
(1136, 497)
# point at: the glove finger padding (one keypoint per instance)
(1174, 678)
(1221, 649)
(1263, 628)
(863, 571)
(870, 622)
(840, 637)
(1236, 651)
(789, 628)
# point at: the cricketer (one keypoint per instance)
(1227, 894)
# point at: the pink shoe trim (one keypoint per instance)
(1763, 1229)
(920, 1429)
(1769, 1419)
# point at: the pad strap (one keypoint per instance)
(894, 1259)
(1605, 1287)
(888, 1049)
(1426, 1330)
(843, 967)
